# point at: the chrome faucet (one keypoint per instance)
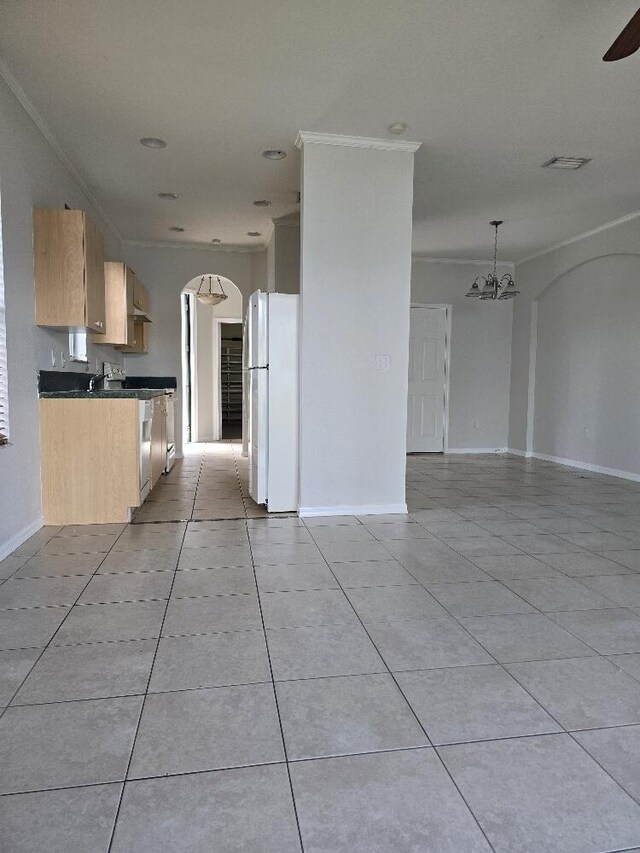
(94, 379)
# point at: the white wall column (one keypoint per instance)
(355, 296)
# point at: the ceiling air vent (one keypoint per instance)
(566, 162)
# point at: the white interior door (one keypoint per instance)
(427, 377)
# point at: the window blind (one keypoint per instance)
(4, 389)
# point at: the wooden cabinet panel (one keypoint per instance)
(90, 460)
(94, 277)
(140, 296)
(69, 270)
(138, 337)
(118, 305)
(138, 322)
(58, 253)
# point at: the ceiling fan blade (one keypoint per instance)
(627, 42)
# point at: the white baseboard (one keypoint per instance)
(361, 509)
(17, 539)
(575, 463)
(475, 451)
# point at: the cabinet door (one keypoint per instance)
(137, 337)
(58, 254)
(140, 295)
(143, 331)
(129, 286)
(118, 297)
(94, 277)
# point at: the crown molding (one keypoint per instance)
(427, 259)
(200, 247)
(591, 233)
(305, 137)
(28, 106)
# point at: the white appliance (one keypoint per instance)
(114, 379)
(271, 345)
(170, 430)
(145, 412)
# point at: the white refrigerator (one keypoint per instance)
(271, 346)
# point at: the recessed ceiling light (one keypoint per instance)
(254, 233)
(262, 202)
(274, 154)
(168, 196)
(397, 128)
(216, 240)
(153, 142)
(566, 162)
(176, 228)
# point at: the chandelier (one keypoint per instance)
(209, 297)
(492, 286)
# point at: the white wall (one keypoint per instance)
(259, 271)
(521, 355)
(355, 289)
(480, 353)
(31, 175)
(271, 263)
(165, 271)
(587, 356)
(287, 257)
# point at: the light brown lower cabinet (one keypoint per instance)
(90, 459)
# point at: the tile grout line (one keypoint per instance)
(51, 639)
(273, 683)
(408, 704)
(562, 727)
(503, 667)
(144, 698)
(343, 590)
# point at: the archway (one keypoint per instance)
(211, 360)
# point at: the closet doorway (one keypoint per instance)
(211, 361)
(230, 384)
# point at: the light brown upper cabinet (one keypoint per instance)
(138, 318)
(138, 337)
(119, 289)
(140, 298)
(69, 270)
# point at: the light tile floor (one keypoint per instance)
(464, 678)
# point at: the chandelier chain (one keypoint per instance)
(492, 286)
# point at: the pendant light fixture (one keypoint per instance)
(490, 286)
(210, 297)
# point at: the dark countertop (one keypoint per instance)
(136, 394)
(151, 382)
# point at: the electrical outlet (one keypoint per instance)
(476, 423)
(383, 362)
(587, 432)
(63, 360)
